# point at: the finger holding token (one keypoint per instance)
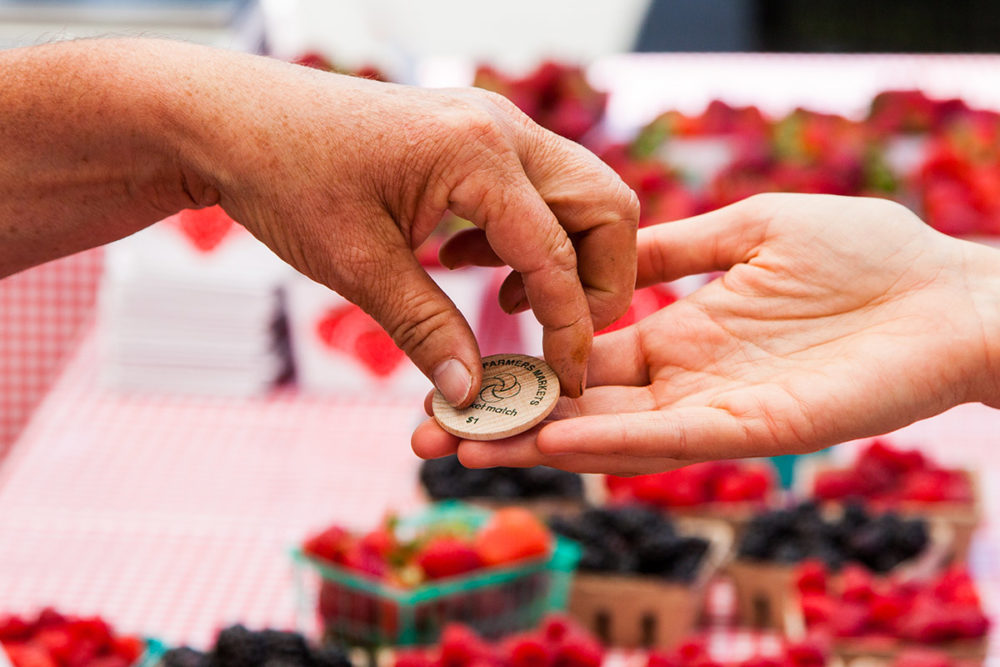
(517, 393)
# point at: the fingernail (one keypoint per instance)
(453, 380)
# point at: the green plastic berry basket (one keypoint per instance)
(358, 610)
(151, 657)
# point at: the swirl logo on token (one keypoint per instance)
(499, 387)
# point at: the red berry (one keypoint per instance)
(128, 647)
(413, 658)
(662, 659)
(331, 544)
(13, 628)
(529, 651)
(29, 655)
(858, 584)
(58, 641)
(556, 626)
(817, 608)
(810, 577)
(460, 646)
(447, 557)
(579, 650)
(922, 658)
(849, 619)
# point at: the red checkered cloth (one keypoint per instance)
(42, 311)
(173, 516)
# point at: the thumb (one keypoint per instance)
(422, 321)
(713, 241)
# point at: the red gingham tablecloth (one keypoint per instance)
(172, 516)
(42, 312)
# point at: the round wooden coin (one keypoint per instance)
(518, 392)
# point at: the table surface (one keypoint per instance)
(172, 516)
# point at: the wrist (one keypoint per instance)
(981, 265)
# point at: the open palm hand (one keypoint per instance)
(836, 318)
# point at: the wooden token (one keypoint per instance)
(518, 392)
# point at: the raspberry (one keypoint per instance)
(529, 651)
(817, 608)
(579, 650)
(806, 653)
(556, 626)
(460, 646)
(835, 484)
(413, 659)
(661, 659)
(922, 658)
(108, 661)
(810, 577)
(858, 584)
(849, 619)
(447, 557)
(692, 649)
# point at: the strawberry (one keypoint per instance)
(446, 557)
(806, 653)
(662, 659)
(512, 534)
(29, 655)
(205, 228)
(330, 544)
(128, 647)
(14, 628)
(57, 641)
(351, 330)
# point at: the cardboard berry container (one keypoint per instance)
(637, 611)
(355, 609)
(765, 591)
(872, 651)
(962, 518)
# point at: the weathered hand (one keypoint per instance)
(836, 318)
(342, 177)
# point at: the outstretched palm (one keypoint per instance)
(836, 318)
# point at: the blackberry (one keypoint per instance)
(330, 656)
(236, 647)
(290, 646)
(447, 478)
(184, 657)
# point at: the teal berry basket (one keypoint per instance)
(354, 609)
(151, 657)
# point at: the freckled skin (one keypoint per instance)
(341, 177)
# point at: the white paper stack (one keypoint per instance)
(178, 318)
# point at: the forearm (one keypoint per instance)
(91, 147)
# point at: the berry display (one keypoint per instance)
(446, 478)
(437, 551)
(879, 542)
(888, 475)
(558, 642)
(696, 653)
(945, 608)
(697, 484)
(556, 96)
(236, 646)
(633, 539)
(52, 639)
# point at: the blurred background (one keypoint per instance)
(179, 409)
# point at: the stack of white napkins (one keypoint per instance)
(181, 315)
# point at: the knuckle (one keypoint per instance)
(425, 319)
